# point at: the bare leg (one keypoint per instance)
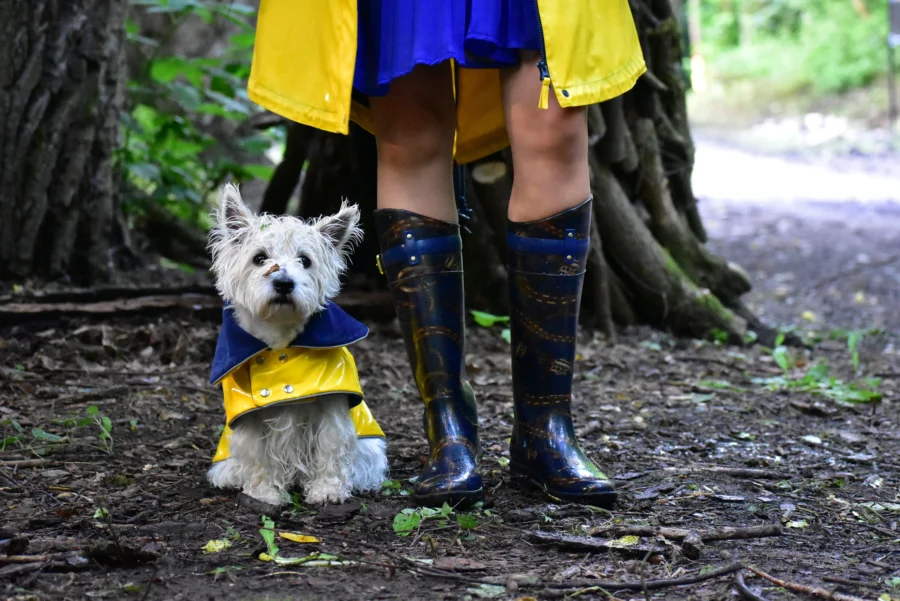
(414, 127)
(549, 147)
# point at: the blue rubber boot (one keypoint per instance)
(546, 273)
(422, 259)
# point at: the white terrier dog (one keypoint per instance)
(292, 397)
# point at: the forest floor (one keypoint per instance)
(698, 436)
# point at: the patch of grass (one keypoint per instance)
(818, 380)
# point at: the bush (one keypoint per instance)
(820, 45)
(168, 155)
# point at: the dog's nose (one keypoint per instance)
(283, 285)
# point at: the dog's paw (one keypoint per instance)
(266, 493)
(320, 493)
(224, 474)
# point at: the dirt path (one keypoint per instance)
(699, 437)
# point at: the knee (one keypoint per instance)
(555, 135)
(416, 137)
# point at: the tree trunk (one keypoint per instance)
(649, 262)
(62, 76)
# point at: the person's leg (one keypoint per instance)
(548, 236)
(549, 147)
(414, 127)
(421, 255)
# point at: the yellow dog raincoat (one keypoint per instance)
(316, 363)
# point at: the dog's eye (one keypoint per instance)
(305, 261)
(260, 259)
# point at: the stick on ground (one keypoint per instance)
(806, 590)
(746, 592)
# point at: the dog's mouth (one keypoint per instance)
(283, 300)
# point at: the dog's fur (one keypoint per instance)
(313, 445)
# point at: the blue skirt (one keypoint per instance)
(396, 35)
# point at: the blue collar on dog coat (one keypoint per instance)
(331, 327)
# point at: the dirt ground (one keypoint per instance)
(693, 438)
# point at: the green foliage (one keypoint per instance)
(409, 519)
(822, 45)
(488, 320)
(168, 156)
(818, 380)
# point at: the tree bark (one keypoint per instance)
(62, 73)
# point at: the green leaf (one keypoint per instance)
(101, 513)
(145, 171)
(818, 372)
(466, 521)
(506, 335)
(779, 339)
(781, 357)
(9, 440)
(242, 41)
(268, 534)
(167, 69)
(263, 172)
(46, 436)
(487, 320)
(406, 521)
(853, 340)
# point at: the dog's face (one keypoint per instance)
(279, 269)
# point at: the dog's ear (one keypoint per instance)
(342, 228)
(231, 213)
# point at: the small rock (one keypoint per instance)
(511, 587)
(692, 546)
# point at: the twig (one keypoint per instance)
(746, 592)
(21, 463)
(706, 536)
(848, 582)
(587, 543)
(737, 472)
(650, 585)
(806, 590)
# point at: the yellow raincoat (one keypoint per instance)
(305, 53)
(316, 363)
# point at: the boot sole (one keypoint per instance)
(605, 500)
(459, 499)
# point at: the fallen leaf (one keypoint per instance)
(728, 498)
(625, 541)
(216, 546)
(811, 439)
(797, 524)
(299, 538)
(488, 591)
(808, 316)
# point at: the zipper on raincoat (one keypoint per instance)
(544, 100)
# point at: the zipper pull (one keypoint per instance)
(544, 101)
